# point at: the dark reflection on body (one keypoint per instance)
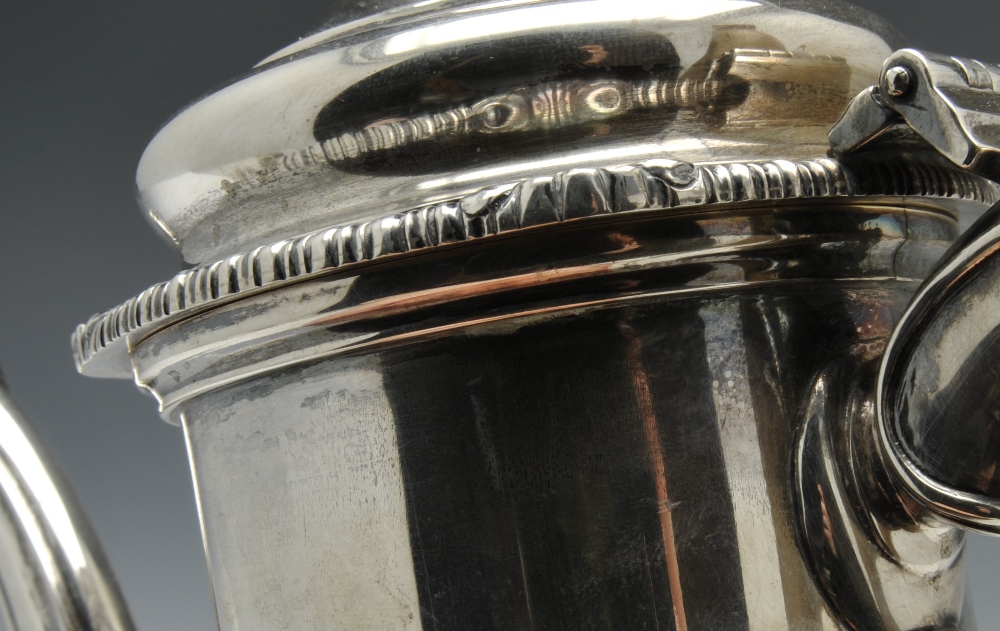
(584, 473)
(959, 429)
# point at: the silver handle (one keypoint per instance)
(53, 573)
(939, 386)
(938, 398)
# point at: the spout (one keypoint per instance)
(53, 574)
(939, 385)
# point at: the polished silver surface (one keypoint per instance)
(939, 400)
(937, 397)
(435, 101)
(950, 102)
(897, 79)
(101, 345)
(53, 575)
(554, 315)
(553, 440)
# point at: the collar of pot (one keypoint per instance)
(428, 124)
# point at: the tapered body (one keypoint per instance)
(580, 314)
(612, 450)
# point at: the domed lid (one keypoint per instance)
(436, 122)
(421, 102)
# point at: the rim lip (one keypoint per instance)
(101, 346)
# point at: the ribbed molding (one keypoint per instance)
(574, 194)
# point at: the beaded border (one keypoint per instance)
(574, 194)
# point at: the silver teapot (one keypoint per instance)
(581, 314)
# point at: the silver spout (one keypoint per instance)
(53, 573)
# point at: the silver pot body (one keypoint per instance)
(608, 440)
(582, 314)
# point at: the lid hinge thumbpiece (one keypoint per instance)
(950, 102)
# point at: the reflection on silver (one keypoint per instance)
(654, 185)
(531, 471)
(746, 476)
(52, 570)
(364, 511)
(947, 101)
(475, 95)
(549, 106)
(565, 320)
(938, 399)
(939, 392)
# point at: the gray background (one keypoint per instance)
(83, 86)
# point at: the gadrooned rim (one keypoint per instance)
(570, 195)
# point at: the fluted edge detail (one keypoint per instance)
(573, 194)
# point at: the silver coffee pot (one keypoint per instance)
(579, 314)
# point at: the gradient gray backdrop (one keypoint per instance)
(83, 86)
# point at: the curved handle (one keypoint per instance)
(53, 572)
(939, 385)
